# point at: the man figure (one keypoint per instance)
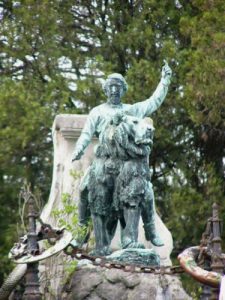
(114, 88)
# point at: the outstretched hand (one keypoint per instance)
(77, 155)
(166, 70)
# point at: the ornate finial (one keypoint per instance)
(32, 285)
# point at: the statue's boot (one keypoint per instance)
(104, 251)
(151, 234)
(127, 243)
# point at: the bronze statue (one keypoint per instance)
(121, 195)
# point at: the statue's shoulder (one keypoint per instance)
(95, 111)
(126, 106)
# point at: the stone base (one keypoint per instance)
(138, 256)
(95, 283)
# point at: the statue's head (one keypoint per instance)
(114, 88)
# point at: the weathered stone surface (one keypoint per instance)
(144, 292)
(83, 285)
(93, 296)
(113, 275)
(109, 291)
(130, 280)
(113, 284)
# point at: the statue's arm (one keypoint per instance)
(86, 136)
(147, 107)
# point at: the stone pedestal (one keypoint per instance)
(96, 283)
(66, 130)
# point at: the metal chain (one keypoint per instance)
(46, 232)
(80, 254)
(204, 252)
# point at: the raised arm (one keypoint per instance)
(86, 136)
(147, 107)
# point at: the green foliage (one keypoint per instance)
(194, 288)
(70, 268)
(67, 217)
(93, 39)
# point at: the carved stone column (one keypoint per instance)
(65, 131)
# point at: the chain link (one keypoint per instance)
(80, 254)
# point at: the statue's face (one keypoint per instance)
(114, 91)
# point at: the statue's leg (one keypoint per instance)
(84, 214)
(102, 241)
(100, 201)
(129, 227)
(111, 225)
(148, 217)
(83, 208)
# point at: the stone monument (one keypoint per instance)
(116, 189)
(118, 185)
(69, 130)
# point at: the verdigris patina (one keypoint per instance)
(136, 257)
(117, 185)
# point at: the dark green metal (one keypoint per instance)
(136, 257)
(217, 264)
(32, 285)
(117, 187)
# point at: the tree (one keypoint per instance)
(33, 91)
